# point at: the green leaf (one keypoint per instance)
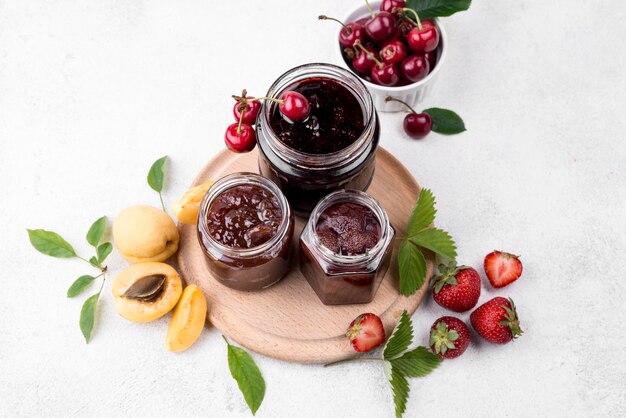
(423, 214)
(96, 232)
(88, 316)
(248, 376)
(50, 243)
(79, 285)
(399, 387)
(445, 121)
(103, 251)
(436, 240)
(412, 266)
(416, 363)
(400, 338)
(94, 262)
(427, 9)
(155, 175)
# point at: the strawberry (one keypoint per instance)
(449, 337)
(457, 288)
(366, 332)
(496, 320)
(502, 268)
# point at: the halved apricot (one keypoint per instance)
(187, 320)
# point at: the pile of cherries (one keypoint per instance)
(240, 136)
(392, 47)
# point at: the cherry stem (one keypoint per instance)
(367, 3)
(393, 99)
(418, 22)
(271, 99)
(358, 44)
(240, 122)
(347, 28)
(353, 359)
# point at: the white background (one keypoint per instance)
(92, 92)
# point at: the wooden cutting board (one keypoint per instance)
(287, 321)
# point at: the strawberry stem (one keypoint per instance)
(353, 359)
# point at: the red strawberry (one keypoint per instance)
(449, 337)
(366, 332)
(496, 321)
(502, 268)
(458, 288)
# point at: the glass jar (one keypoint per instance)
(303, 177)
(345, 279)
(251, 268)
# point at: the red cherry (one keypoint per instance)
(415, 67)
(381, 27)
(386, 75)
(393, 52)
(417, 125)
(425, 39)
(294, 106)
(389, 5)
(240, 140)
(250, 113)
(431, 57)
(363, 62)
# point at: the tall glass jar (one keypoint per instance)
(305, 178)
(251, 268)
(345, 279)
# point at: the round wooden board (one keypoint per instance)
(287, 321)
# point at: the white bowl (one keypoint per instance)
(411, 93)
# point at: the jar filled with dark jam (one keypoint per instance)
(334, 148)
(245, 228)
(345, 248)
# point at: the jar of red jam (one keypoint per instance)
(245, 228)
(334, 148)
(345, 248)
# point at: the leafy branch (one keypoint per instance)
(419, 236)
(400, 363)
(52, 244)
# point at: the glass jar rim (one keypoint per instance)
(237, 179)
(352, 196)
(319, 161)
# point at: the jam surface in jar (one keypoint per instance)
(244, 216)
(335, 121)
(348, 229)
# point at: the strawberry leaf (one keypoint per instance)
(423, 214)
(399, 387)
(400, 338)
(412, 266)
(50, 243)
(436, 240)
(248, 376)
(416, 363)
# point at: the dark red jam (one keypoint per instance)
(348, 229)
(335, 122)
(244, 216)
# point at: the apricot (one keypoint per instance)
(146, 291)
(187, 207)
(145, 233)
(187, 320)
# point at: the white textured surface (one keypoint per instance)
(91, 92)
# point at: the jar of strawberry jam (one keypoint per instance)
(245, 227)
(345, 248)
(334, 148)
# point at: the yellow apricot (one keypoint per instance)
(187, 320)
(152, 300)
(187, 207)
(144, 233)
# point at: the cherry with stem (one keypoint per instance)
(384, 74)
(416, 125)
